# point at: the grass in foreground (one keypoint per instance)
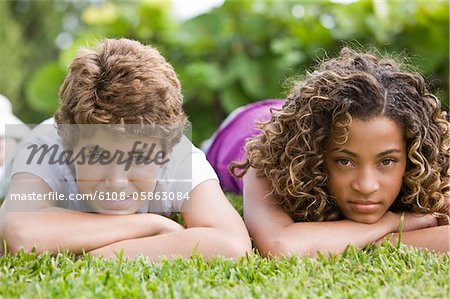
(384, 271)
(376, 272)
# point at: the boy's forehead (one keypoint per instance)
(108, 139)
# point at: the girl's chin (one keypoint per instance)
(367, 219)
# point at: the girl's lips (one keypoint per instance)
(365, 207)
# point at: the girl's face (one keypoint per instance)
(366, 173)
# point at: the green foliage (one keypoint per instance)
(242, 51)
(11, 75)
(236, 202)
(377, 272)
(44, 86)
(28, 30)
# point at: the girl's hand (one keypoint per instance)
(443, 220)
(411, 221)
(414, 221)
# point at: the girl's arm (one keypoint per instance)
(433, 238)
(214, 228)
(275, 233)
(48, 228)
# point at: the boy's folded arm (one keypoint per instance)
(214, 228)
(433, 238)
(49, 228)
(59, 229)
(275, 233)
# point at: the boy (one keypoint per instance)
(109, 100)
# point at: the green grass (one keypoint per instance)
(377, 272)
(384, 271)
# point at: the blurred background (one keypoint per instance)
(226, 53)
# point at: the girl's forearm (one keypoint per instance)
(307, 238)
(433, 238)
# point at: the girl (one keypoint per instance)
(358, 143)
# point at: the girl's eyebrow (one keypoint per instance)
(390, 151)
(383, 153)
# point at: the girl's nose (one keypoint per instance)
(366, 182)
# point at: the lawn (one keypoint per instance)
(385, 271)
(377, 272)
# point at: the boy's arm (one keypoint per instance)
(275, 233)
(48, 228)
(213, 228)
(434, 238)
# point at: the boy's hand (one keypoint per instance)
(151, 224)
(170, 226)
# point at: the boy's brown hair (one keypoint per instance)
(121, 82)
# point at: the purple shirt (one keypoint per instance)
(228, 143)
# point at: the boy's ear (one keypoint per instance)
(170, 151)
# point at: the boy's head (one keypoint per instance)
(321, 109)
(119, 95)
(121, 82)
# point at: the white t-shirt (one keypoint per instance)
(186, 169)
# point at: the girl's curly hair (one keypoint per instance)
(290, 149)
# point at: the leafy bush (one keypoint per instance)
(245, 51)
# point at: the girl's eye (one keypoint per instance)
(387, 162)
(344, 162)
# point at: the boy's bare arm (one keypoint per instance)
(49, 228)
(434, 238)
(214, 228)
(275, 233)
